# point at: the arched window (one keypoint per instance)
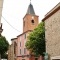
(32, 21)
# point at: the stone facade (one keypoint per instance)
(10, 52)
(52, 32)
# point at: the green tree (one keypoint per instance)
(3, 46)
(36, 40)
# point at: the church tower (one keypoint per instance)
(30, 20)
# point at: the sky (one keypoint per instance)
(13, 12)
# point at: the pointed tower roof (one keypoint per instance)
(30, 10)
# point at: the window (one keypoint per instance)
(20, 44)
(24, 50)
(20, 51)
(15, 44)
(32, 21)
(25, 36)
(24, 23)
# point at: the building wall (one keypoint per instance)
(10, 52)
(24, 56)
(28, 24)
(52, 34)
(1, 5)
(21, 41)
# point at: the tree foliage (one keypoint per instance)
(3, 46)
(5, 56)
(36, 40)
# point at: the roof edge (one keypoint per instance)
(24, 33)
(55, 7)
(13, 39)
(46, 17)
(30, 14)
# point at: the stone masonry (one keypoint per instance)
(52, 32)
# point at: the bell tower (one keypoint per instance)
(30, 20)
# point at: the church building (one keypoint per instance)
(17, 50)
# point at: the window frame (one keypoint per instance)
(24, 50)
(20, 51)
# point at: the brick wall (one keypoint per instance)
(27, 21)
